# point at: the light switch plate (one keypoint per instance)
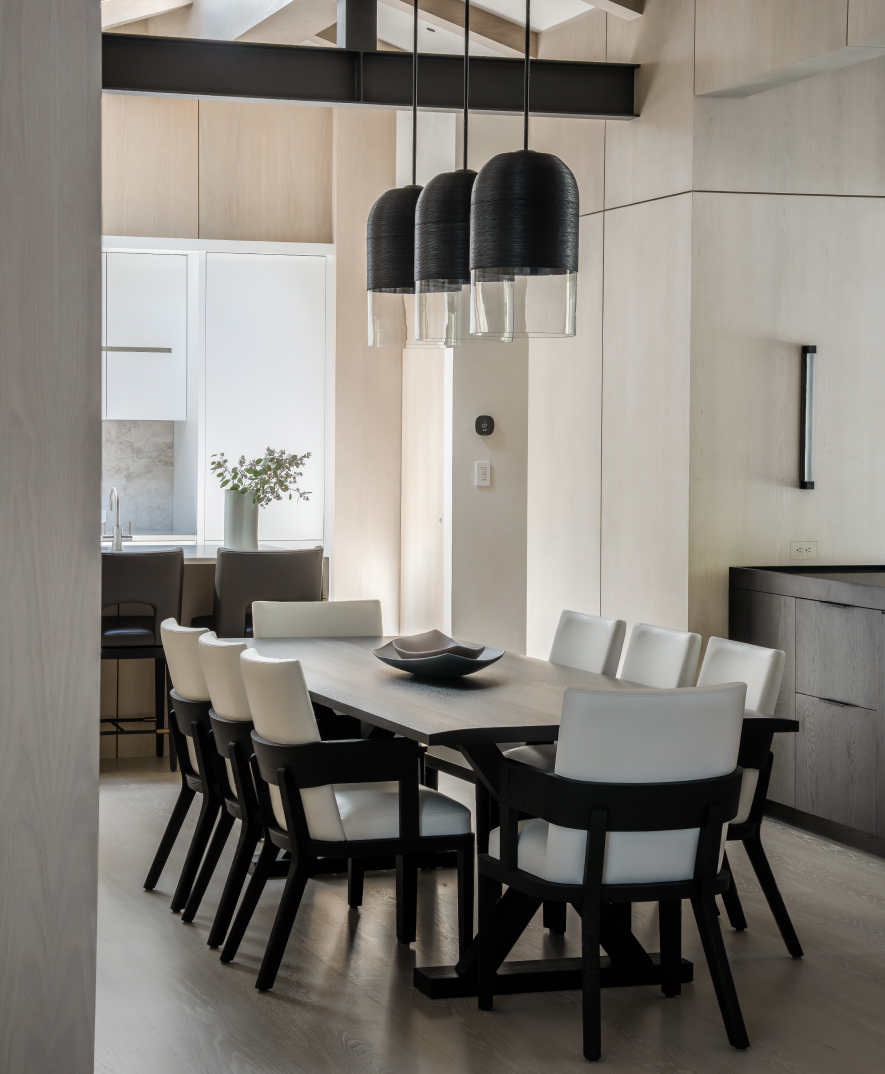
(483, 473)
(803, 549)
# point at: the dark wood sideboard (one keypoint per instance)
(830, 622)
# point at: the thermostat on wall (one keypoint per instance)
(483, 473)
(484, 425)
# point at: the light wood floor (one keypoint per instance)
(344, 1001)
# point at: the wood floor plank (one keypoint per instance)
(344, 1000)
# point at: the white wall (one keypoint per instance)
(50, 443)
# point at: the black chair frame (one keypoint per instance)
(755, 752)
(189, 719)
(317, 764)
(599, 808)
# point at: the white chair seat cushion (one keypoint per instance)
(748, 791)
(557, 854)
(543, 756)
(371, 811)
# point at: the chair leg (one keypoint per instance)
(260, 876)
(211, 859)
(205, 824)
(486, 942)
(670, 915)
(704, 907)
(173, 827)
(554, 917)
(159, 702)
(732, 900)
(759, 861)
(282, 926)
(465, 899)
(590, 979)
(406, 899)
(356, 871)
(239, 870)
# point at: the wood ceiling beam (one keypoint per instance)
(624, 9)
(120, 12)
(486, 28)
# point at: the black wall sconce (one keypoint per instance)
(806, 419)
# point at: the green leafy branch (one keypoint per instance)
(264, 479)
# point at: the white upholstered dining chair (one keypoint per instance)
(341, 799)
(762, 670)
(678, 751)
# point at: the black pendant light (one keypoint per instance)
(442, 243)
(390, 244)
(523, 240)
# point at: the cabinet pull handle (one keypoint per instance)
(139, 350)
(832, 604)
(838, 704)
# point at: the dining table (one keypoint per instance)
(517, 699)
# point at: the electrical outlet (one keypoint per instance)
(803, 549)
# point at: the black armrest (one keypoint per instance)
(631, 807)
(357, 760)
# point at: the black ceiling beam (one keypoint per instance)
(184, 67)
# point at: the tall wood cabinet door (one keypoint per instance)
(836, 762)
(837, 652)
(770, 619)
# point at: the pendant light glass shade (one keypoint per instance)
(442, 259)
(390, 249)
(523, 247)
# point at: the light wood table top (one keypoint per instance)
(516, 699)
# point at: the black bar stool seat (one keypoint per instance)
(127, 631)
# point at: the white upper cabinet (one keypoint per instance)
(265, 378)
(145, 337)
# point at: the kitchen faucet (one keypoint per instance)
(114, 505)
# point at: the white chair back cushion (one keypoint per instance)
(658, 656)
(732, 661)
(282, 712)
(642, 736)
(183, 657)
(220, 658)
(588, 643)
(762, 670)
(317, 619)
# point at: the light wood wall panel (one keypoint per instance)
(866, 22)
(770, 274)
(822, 135)
(565, 424)
(650, 157)
(645, 415)
(149, 166)
(489, 523)
(365, 560)
(265, 172)
(424, 522)
(581, 144)
(50, 442)
(740, 39)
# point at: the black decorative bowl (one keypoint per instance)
(439, 666)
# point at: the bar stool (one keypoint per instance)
(154, 579)
(244, 577)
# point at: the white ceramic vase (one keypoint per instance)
(240, 522)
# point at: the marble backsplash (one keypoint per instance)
(137, 458)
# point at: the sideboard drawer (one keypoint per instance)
(836, 762)
(837, 652)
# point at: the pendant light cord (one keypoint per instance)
(466, 73)
(415, 98)
(528, 74)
